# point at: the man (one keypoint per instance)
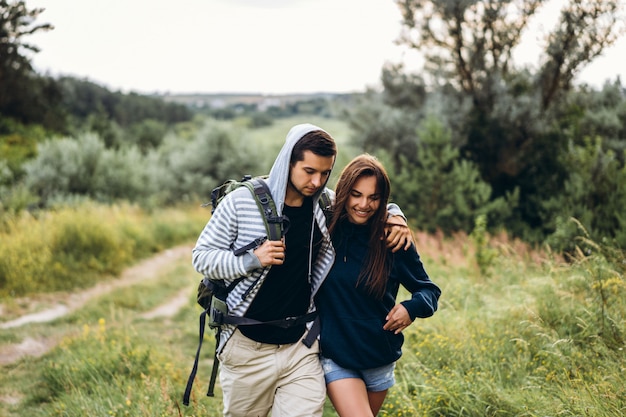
(266, 367)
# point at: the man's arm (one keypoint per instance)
(213, 255)
(398, 233)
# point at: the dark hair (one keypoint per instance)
(316, 141)
(376, 268)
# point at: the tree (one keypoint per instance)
(377, 125)
(16, 73)
(585, 29)
(469, 43)
(441, 191)
(513, 122)
(593, 194)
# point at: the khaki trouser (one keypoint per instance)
(259, 377)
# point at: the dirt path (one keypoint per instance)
(66, 304)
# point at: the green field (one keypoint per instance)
(518, 333)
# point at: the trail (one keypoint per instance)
(39, 345)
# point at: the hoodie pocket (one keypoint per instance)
(361, 344)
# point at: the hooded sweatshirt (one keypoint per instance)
(237, 221)
(352, 320)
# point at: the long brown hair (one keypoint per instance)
(375, 269)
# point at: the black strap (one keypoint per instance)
(263, 197)
(314, 331)
(243, 321)
(192, 375)
(252, 245)
(282, 323)
(216, 365)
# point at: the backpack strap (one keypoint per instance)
(252, 245)
(267, 207)
(326, 205)
(282, 323)
(242, 321)
(194, 370)
(314, 331)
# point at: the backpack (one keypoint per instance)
(274, 224)
(212, 293)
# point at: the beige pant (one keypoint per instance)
(259, 377)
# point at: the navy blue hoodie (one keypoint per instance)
(352, 320)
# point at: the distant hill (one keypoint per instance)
(220, 100)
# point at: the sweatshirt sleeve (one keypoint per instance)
(394, 210)
(410, 272)
(213, 254)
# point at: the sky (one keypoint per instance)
(244, 46)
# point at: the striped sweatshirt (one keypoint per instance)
(237, 221)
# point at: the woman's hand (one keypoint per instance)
(398, 319)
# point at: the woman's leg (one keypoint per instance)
(350, 398)
(376, 400)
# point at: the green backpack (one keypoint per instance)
(274, 224)
(212, 293)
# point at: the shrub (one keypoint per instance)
(442, 191)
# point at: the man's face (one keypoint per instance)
(306, 177)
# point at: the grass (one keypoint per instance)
(517, 334)
(72, 246)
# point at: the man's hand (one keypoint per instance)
(398, 234)
(271, 252)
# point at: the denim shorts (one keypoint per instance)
(376, 379)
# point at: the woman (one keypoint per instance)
(361, 323)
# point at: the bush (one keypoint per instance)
(443, 191)
(191, 169)
(593, 193)
(179, 170)
(65, 167)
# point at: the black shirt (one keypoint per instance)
(286, 291)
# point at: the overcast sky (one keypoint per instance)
(252, 46)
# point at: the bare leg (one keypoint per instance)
(350, 398)
(376, 400)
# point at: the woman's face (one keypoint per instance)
(363, 201)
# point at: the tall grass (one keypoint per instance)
(71, 246)
(124, 377)
(527, 339)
